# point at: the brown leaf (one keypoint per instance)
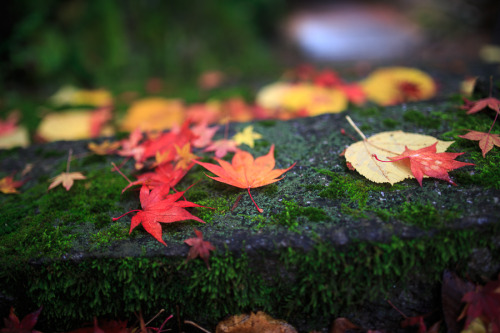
(341, 325)
(254, 323)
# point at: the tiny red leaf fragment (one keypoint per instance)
(427, 162)
(486, 140)
(199, 247)
(13, 325)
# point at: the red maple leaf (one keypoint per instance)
(484, 302)
(131, 146)
(426, 161)
(13, 325)
(164, 175)
(488, 102)
(160, 207)
(246, 172)
(486, 140)
(199, 247)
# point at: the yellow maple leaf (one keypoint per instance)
(247, 136)
(184, 156)
(69, 95)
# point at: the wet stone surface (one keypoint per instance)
(320, 201)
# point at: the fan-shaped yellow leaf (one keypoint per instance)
(316, 100)
(384, 145)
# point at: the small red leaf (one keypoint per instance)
(199, 247)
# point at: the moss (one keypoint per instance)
(267, 123)
(421, 119)
(390, 123)
(365, 128)
(292, 211)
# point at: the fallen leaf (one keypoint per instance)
(247, 136)
(484, 303)
(17, 138)
(486, 140)
(476, 106)
(13, 325)
(391, 85)
(245, 172)
(453, 290)
(72, 96)
(222, 147)
(66, 178)
(105, 148)
(426, 161)
(74, 125)
(315, 100)
(204, 134)
(163, 175)
(154, 114)
(8, 185)
(160, 207)
(386, 145)
(342, 325)
(253, 323)
(199, 247)
(131, 146)
(184, 157)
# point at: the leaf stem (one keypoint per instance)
(260, 210)
(355, 127)
(119, 171)
(69, 160)
(491, 127)
(119, 217)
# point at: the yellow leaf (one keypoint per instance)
(384, 145)
(154, 114)
(69, 95)
(270, 96)
(17, 138)
(393, 85)
(314, 99)
(247, 136)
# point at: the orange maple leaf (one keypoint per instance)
(247, 172)
(427, 162)
(9, 185)
(486, 140)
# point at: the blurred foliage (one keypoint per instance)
(100, 43)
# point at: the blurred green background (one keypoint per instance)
(93, 43)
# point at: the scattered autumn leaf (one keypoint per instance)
(392, 85)
(199, 247)
(247, 136)
(105, 148)
(154, 114)
(314, 99)
(252, 323)
(163, 175)
(8, 185)
(66, 178)
(13, 325)
(184, 157)
(74, 125)
(386, 145)
(204, 134)
(222, 147)
(160, 207)
(486, 140)
(484, 303)
(246, 172)
(426, 161)
(476, 106)
(72, 96)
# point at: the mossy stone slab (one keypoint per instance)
(329, 242)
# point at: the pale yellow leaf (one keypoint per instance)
(385, 145)
(17, 138)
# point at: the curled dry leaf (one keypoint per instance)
(386, 145)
